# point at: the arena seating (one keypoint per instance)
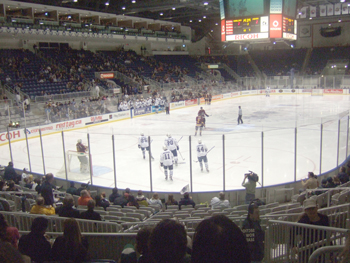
(278, 62)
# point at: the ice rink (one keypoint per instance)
(269, 124)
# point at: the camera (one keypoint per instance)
(252, 176)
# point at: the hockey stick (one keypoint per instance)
(181, 155)
(180, 139)
(207, 153)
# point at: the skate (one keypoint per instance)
(201, 169)
(166, 177)
(171, 178)
(207, 170)
(144, 157)
(195, 134)
(175, 163)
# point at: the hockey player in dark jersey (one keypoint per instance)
(81, 148)
(202, 113)
(199, 125)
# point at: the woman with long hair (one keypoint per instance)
(71, 246)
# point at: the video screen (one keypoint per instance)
(289, 8)
(239, 8)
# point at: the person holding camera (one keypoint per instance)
(250, 186)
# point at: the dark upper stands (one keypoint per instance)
(278, 62)
(320, 56)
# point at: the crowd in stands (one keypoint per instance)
(167, 241)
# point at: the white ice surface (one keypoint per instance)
(276, 116)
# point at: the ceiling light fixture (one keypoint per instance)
(161, 14)
(107, 3)
(205, 3)
(173, 8)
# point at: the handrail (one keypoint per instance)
(330, 250)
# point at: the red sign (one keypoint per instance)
(275, 26)
(191, 102)
(333, 91)
(13, 135)
(229, 27)
(107, 75)
(223, 30)
(217, 97)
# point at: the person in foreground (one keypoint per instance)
(35, 245)
(308, 238)
(218, 239)
(71, 246)
(253, 232)
(168, 241)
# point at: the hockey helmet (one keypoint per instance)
(169, 135)
(200, 141)
(79, 141)
(165, 148)
(142, 134)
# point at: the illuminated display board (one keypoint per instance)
(288, 25)
(247, 28)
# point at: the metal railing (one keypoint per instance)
(295, 242)
(328, 252)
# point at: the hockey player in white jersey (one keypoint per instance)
(167, 161)
(143, 145)
(172, 145)
(267, 91)
(156, 104)
(202, 155)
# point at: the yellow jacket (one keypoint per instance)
(43, 210)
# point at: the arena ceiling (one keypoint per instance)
(201, 15)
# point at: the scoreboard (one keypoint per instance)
(261, 24)
(246, 28)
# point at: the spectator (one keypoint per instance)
(47, 189)
(90, 214)
(132, 202)
(72, 190)
(40, 208)
(171, 201)
(12, 187)
(343, 176)
(218, 239)
(126, 193)
(219, 202)
(2, 185)
(312, 217)
(311, 182)
(35, 245)
(253, 232)
(114, 195)
(83, 187)
(141, 199)
(168, 241)
(29, 181)
(8, 233)
(71, 246)
(155, 201)
(67, 210)
(84, 198)
(250, 186)
(25, 173)
(10, 173)
(101, 202)
(187, 200)
(121, 200)
(38, 185)
(142, 238)
(8, 254)
(330, 183)
(128, 254)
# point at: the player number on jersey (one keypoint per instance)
(200, 149)
(167, 156)
(143, 139)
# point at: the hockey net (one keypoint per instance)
(317, 92)
(79, 166)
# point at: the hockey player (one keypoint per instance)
(161, 104)
(166, 161)
(202, 155)
(202, 113)
(199, 125)
(156, 104)
(173, 146)
(166, 103)
(267, 91)
(81, 148)
(143, 145)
